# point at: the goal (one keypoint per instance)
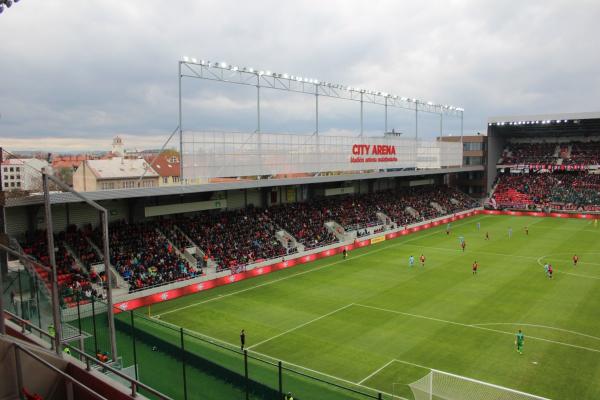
(439, 385)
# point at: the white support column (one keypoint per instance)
(417, 120)
(258, 104)
(317, 110)
(361, 114)
(181, 178)
(462, 160)
(386, 116)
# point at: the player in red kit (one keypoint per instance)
(475, 266)
(575, 259)
(422, 259)
(463, 245)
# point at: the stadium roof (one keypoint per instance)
(59, 198)
(545, 117)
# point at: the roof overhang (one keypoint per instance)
(544, 117)
(60, 198)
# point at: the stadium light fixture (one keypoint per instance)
(428, 105)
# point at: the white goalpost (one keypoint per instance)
(439, 385)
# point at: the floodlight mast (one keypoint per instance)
(248, 76)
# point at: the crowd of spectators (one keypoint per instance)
(234, 238)
(569, 153)
(529, 153)
(584, 154)
(74, 282)
(143, 256)
(168, 226)
(77, 239)
(305, 222)
(558, 190)
(149, 253)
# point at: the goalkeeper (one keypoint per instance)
(519, 341)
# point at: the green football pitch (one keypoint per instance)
(372, 320)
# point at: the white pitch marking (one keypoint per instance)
(475, 327)
(235, 348)
(375, 372)
(376, 250)
(539, 326)
(388, 364)
(301, 325)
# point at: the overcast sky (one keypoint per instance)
(75, 73)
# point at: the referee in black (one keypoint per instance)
(242, 339)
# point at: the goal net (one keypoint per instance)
(438, 385)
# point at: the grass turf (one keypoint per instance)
(374, 321)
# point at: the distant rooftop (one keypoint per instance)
(119, 168)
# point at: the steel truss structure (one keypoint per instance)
(265, 79)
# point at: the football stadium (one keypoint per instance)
(415, 261)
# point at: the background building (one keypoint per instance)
(474, 149)
(22, 174)
(114, 173)
(167, 167)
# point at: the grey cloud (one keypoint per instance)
(91, 69)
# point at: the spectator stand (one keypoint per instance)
(328, 250)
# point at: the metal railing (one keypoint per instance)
(89, 360)
(69, 379)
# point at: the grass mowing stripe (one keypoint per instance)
(308, 271)
(301, 325)
(275, 360)
(538, 326)
(474, 326)
(538, 259)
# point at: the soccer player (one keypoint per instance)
(575, 259)
(520, 341)
(461, 239)
(463, 245)
(546, 269)
(478, 226)
(448, 229)
(345, 253)
(242, 339)
(474, 267)
(550, 271)
(422, 259)
(509, 233)
(411, 261)
(526, 231)
(487, 236)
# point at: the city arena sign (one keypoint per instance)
(366, 153)
(209, 155)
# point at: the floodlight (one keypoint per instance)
(285, 76)
(185, 59)
(250, 69)
(223, 64)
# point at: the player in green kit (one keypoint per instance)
(519, 341)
